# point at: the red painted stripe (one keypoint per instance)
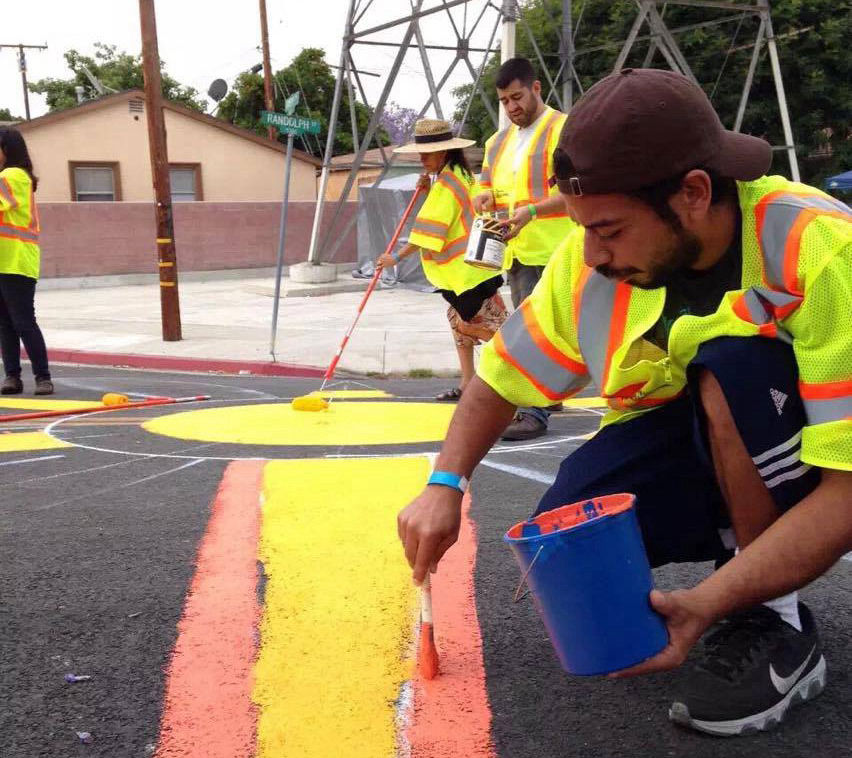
(451, 715)
(208, 709)
(177, 363)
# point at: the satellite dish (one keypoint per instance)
(218, 89)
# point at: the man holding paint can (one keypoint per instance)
(709, 304)
(516, 176)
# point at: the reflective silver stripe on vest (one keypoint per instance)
(830, 409)
(449, 252)
(429, 227)
(596, 307)
(493, 151)
(452, 181)
(6, 192)
(521, 346)
(537, 177)
(755, 298)
(21, 234)
(778, 220)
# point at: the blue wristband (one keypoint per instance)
(449, 479)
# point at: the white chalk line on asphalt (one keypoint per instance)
(31, 460)
(526, 473)
(105, 490)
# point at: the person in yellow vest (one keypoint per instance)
(516, 177)
(709, 304)
(19, 266)
(440, 233)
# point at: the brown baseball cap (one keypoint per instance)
(638, 127)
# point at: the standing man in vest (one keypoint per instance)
(515, 177)
(710, 305)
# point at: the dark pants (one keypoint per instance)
(663, 456)
(522, 281)
(18, 324)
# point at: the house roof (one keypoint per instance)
(138, 94)
(373, 159)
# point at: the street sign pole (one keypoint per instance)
(280, 262)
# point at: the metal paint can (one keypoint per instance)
(486, 247)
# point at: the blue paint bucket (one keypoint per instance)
(586, 567)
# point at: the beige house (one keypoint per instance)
(98, 151)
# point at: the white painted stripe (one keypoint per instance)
(794, 457)
(787, 475)
(526, 473)
(778, 448)
(847, 557)
(31, 460)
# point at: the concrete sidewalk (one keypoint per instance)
(229, 319)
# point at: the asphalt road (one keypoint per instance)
(97, 545)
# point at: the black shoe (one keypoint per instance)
(12, 385)
(555, 408)
(43, 387)
(524, 427)
(755, 666)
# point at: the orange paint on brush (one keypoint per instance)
(450, 716)
(208, 709)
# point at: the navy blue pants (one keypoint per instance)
(663, 456)
(18, 324)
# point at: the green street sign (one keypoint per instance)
(290, 124)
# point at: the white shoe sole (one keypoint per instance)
(806, 688)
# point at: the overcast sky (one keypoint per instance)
(202, 40)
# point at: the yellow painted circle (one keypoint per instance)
(364, 423)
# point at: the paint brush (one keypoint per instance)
(428, 655)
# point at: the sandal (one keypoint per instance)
(450, 395)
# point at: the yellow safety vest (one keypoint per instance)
(441, 230)
(796, 286)
(530, 184)
(19, 228)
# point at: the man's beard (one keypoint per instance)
(527, 118)
(682, 255)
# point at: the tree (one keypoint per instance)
(114, 69)
(309, 74)
(398, 122)
(811, 39)
(6, 115)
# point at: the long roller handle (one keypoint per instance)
(104, 408)
(373, 282)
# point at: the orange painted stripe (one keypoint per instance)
(450, 715)
(208, 708)
(545, 345)
(825, 390)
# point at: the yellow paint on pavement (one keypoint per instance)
(339, 607)
(31, 404)
(362, 423)
(14, 442)
(585, 402)
(351, 394)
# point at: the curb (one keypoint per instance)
(177, 363)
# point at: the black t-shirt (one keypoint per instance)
(698, 293)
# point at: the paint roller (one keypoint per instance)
(314, 402)
(427, 656)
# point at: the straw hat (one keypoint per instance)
(432, 135)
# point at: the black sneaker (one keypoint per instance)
(755, 666)
(524, 427)
(12, 385)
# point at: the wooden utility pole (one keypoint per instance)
(272, 132)
(22, 67)
(166, 256)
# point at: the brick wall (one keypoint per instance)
(95, 239)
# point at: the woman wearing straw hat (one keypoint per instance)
(440, 233)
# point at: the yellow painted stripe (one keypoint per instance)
(31, 404)
(13, 442)
(336, 634)
(351, 393)
(585, 402)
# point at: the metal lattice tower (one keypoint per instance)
(461, 21)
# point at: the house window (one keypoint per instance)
(185, 181)
(95, 182)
